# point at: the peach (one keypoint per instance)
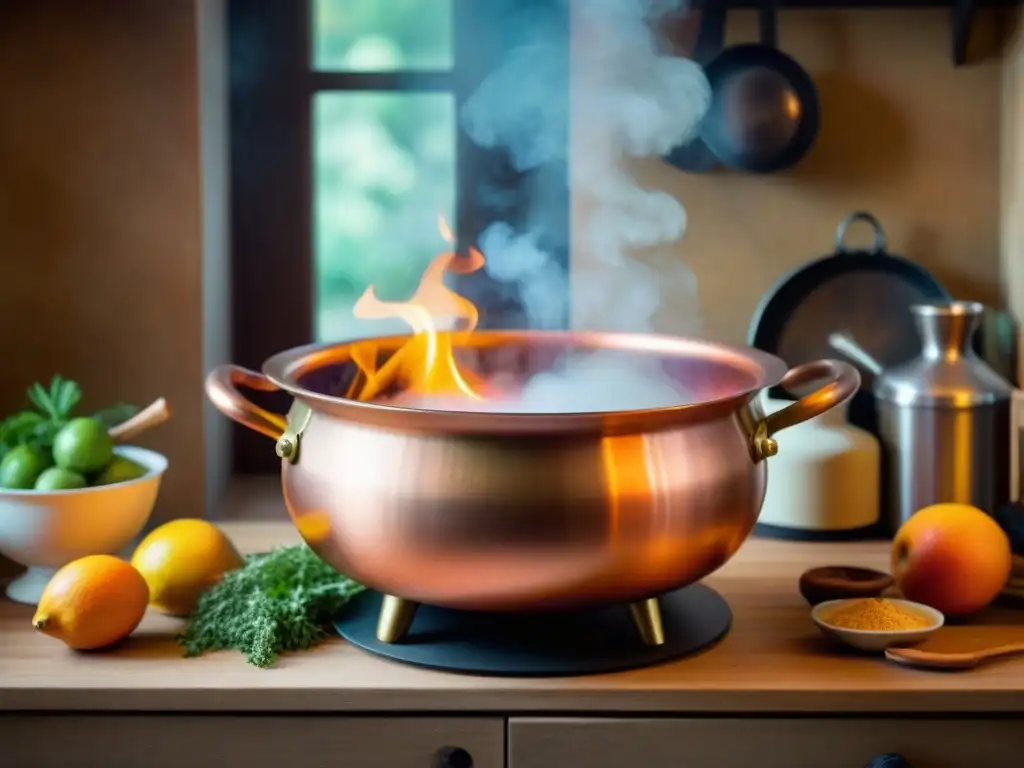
(952, 557)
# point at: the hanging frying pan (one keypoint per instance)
(864, 294)
(764, 111)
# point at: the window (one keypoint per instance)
(346, 145)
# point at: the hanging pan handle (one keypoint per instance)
(769, 9)
(844, 381)
(710, 32)
(880, 246)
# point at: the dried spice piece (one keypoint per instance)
(877, 614)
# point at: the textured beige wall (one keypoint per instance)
(101, 237)
(904, 134)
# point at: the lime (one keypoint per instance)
(83, 446)
(21, 466)
(119, 470)
(57, 479)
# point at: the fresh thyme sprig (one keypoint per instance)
(279, 601)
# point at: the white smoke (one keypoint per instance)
(627, 100)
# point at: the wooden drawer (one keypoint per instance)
(198, 741)
(761, 743)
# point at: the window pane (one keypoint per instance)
(382, 35)
(384, 170)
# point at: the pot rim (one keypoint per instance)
(285, 368)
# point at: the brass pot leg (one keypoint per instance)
(647, 617)
(396, 615)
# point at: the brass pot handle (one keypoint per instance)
(222, 388)
(844, 383)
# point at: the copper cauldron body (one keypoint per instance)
(513, 511)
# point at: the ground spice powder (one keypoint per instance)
(876, 614)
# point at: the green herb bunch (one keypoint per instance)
(50, 409)
(279, 601)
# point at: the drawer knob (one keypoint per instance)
(454, 757)
(890, 760)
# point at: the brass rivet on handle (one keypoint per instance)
(285, 448)
(762, 446)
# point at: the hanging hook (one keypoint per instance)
(963, 19)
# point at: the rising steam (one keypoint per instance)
(627, 100)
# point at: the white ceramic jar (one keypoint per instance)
(824, 482)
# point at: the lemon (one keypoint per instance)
(119, 470)
(92, 602)
(182, 559)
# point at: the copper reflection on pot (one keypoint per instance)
(514, 522)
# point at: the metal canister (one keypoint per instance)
(945, 420)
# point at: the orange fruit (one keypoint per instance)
(92, 602)
(182, 559)
(952, 557)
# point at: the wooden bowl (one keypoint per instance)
(837, 582)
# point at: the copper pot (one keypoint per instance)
(505, 511)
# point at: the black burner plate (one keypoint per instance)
(587, 642)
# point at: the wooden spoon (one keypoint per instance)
(914, 657)
(152, 415)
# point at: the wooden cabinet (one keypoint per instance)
(252, 741)
(354, 741)
(761, 742)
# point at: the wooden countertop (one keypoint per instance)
(773, 660)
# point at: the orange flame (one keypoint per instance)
(425, 364)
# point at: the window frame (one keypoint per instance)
(272, 85)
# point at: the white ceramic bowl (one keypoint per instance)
(46, 530)
(867, 640)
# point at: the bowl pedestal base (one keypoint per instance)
(607, 638)
(28, 587)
